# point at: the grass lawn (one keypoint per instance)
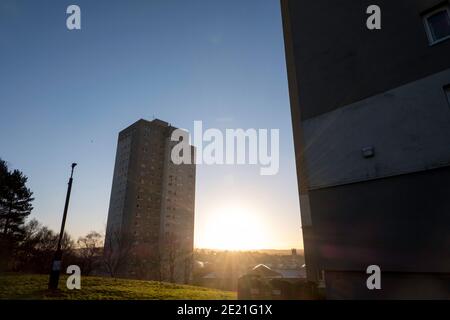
(26, 286)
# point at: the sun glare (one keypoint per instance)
(234, 229)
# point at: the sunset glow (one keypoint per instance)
(235, 228)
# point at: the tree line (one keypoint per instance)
(29, 246)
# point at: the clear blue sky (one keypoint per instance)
(65, 95)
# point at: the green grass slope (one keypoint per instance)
(25, 286)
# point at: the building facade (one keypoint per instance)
(371, 119)
(150, 228)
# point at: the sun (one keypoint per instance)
(234, 228)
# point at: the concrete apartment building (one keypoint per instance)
(371, 119)
(150, 229)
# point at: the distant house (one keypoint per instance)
(261, 270)
(292, 273)
(263, 282)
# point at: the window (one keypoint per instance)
(437, 24)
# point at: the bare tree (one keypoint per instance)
(36, 250)
(89, 251)
(177, 260)
(117, 252)
(172, 250)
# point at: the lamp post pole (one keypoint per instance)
(56, 264)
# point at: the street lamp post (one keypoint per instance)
(56, 264)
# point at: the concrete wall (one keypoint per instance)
(118, 189)
(408, 127)
(337, 55)
(177, 217)
(400, 223)
(352, 88)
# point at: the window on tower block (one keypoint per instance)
(437, 24)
